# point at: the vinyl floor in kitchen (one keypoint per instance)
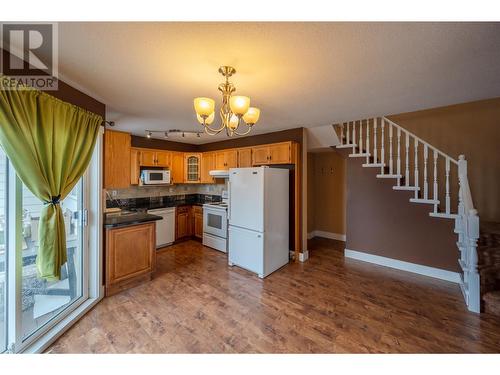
(197, 304)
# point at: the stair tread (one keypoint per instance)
(389, 176)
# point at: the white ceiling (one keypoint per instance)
(299, 74)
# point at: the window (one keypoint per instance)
(3, 252)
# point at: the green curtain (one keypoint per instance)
(50, 143)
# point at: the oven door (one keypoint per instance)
(215, 222)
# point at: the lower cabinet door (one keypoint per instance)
(246, 249)
(129, 253)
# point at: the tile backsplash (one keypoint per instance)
(159, 191)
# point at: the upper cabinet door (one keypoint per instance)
(116, 159)
(207, 164)
(244, 157)
(148, 158)
(134, 166)
(280, 153)
(260, 155)
(220, 160)
(231, 157)
(192, 168)
(177, 168)
(163, 159)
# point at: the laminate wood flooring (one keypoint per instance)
(329, 304)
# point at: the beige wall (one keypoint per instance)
(327, 192)
(472, 129)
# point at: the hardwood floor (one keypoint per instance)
(197, 304)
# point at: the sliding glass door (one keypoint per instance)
(33, 310)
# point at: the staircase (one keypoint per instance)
(435, 178)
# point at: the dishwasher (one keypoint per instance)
(165, 228)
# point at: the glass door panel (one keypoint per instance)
(3, 252)
(41, 300)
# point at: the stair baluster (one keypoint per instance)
(375, 140)
(382, 149)
(353, 136)
(416, 168)
(448, 186)
(360, 136)
(435, 180)
(367, 141)
(426, 184)
(407, 160)
(342, 134)
(390, 149)
(398, 170)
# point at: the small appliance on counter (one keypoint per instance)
(155, 176)
(258, 219)
(215, 224)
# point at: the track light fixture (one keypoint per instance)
(168, 133)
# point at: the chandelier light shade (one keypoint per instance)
(252, 115)
(208, 120)
(239, 104)
(204, 106)
(235, 109)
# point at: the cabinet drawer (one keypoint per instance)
(198, 209)
(182, 209)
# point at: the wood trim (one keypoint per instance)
(298, 194)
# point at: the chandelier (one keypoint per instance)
(234, 109)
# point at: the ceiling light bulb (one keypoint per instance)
(239, 104)
(252, 116)
(233, 122)
(149, 134)
(208, 120)
(204, 106)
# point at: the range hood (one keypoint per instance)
(219, 173)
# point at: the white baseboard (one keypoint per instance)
(304, 256)
(324, 234)
(437, 273)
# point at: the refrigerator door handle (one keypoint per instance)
(229, 199)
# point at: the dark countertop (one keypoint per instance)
(117, 220)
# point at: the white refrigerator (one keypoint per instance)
(258, 219)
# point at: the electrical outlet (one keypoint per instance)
(113, 193)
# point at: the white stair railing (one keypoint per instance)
(385, 138)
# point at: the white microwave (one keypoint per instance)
(155, 177)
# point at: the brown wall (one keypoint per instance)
(382, 221)
(472, 129)
(326, 193)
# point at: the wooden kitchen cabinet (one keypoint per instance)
(207, 164)
(130, 256)
(226, 159)
(163, 159)
(135, 169)
(183, 222)
(192, 168)
(177, 168)
(148, 158)
(152, 158)
(276, 153)
(198, 221)
(117, 146)
(244, 157)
